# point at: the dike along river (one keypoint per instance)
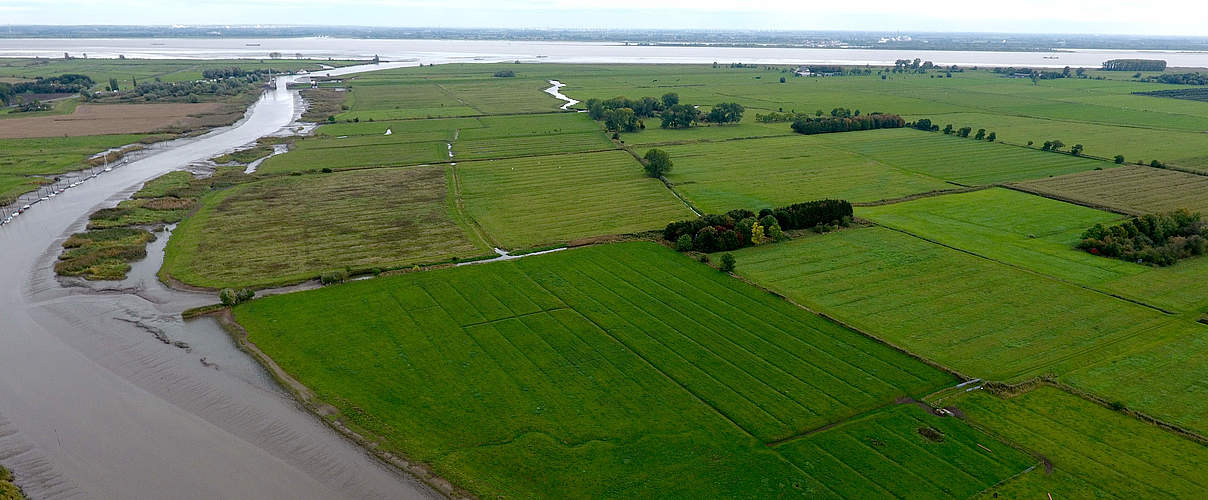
(97, 402)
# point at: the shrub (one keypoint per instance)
(684, 243)
(507, 73)
(333, 277)
(727, 263)
(231, 297)
(1119, 159)
(704, 258)
(228, 297)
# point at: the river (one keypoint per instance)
(94, 403)
(571, 52)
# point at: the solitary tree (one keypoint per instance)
(948, 129)
(113, 84)
(992, 137)
(1076, 150)
(657, 163)
(981, 134)
(1119, 159)
(727, 263)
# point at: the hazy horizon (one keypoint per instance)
(1075, 17)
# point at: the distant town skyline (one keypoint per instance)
(1177, 17)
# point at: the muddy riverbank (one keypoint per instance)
(103, 392)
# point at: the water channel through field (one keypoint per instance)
(106, 393)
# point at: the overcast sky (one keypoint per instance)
(1165, 17)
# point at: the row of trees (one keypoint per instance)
(1056, 145)
(69, 83)
(1187, 94)
(741, 228)
(926, 125)
(826, 125)
(232, 72)
(1134, 65)
(177, 91)
(1177, 79)
(1158, 239)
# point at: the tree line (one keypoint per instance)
(1134, 65)
(1158, 239)
(1186, 94)
(233, 72)
(829, 124)
(926, 125)
(622, 114)
(742, 228)
(69, 83)
(1176, 79)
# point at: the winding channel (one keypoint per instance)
(97, 402)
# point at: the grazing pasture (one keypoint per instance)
(1132, 189)
(1182, 148)
(892, 457)
(980, 317)
(758, 173)
(960, 160)
(1040, 234)
(1095, 452)
(531, 201)
(614, 370)
(290, 229)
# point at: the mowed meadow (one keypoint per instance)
(621, 370)
(823, 366)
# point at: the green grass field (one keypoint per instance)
(1040, 234)
(1131, 189)
(759, 173)
(628, 370)
(1095, 452)
(1176, 147)
(960, 160)
(290, 229)
(614, 370)
(977, 316)
(21, 160)
(884, 455)
(531, 201)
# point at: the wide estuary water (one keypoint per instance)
(580, 52)
(106, 393)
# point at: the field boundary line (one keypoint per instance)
(459, 206)
(666, 183)
(839, 423)
(853, 328)
(1008, 391)
(655, 367)
(1029, 271)
(1023, 188)
(928, 194)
